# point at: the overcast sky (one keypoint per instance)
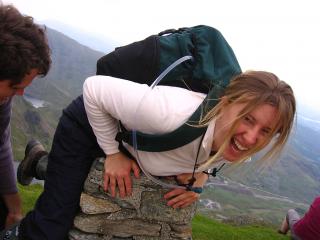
(278, 36)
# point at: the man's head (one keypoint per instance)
(24, 51)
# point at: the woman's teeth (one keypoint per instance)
(239, 146)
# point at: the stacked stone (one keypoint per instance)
(142, 216)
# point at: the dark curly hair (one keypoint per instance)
(23, 45)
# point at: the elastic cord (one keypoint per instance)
(193, 179)
(168, 69)
(134, 132)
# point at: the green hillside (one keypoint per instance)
(293, 175)
(232, 203)
(72, 63)
(29, 122)
(207, 229)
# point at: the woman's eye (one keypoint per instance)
(247, 119)
(265, 131)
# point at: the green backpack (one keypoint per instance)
(212, 66)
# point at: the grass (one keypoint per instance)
(29, 196)
(203, 227)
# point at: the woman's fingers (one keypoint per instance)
(105, 182)
(113, 186)
(124, 185)
(174, 192)
(121, 187)
(135, 169)
(118, 174)
(174, 197)
(180, 198)
(128, 185)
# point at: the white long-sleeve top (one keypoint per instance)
(153, 111)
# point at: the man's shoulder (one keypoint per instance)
(5, 114)
(5, 104)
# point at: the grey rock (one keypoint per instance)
(92, 205)
(153, 207)
(165, 231)
(124, 228)
(146, 238)
(123, 214)
(75, 234)
(181, 231)
(142, 216)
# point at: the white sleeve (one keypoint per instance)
(109, 99)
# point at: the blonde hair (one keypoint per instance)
(255, 88)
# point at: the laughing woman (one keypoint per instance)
(255, 108)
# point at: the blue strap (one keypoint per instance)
(195, 189)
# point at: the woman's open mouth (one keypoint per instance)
(236, 145)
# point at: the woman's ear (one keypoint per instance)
(225, 101)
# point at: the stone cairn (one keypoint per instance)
(142, 216)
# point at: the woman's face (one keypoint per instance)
(253, 129)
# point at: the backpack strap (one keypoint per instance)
(183, 135)
(160, 143)
(164, 142)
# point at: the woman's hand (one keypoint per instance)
(117, 171)
(180, 198)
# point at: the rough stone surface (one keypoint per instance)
(124, 228)
(92, 205)
(75, 234)
(142, 216)
(181, 231)
(154, 207)
(123, 214)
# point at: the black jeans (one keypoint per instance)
(73, 151)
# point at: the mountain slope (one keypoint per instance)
(72, 63)
(92, 40)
